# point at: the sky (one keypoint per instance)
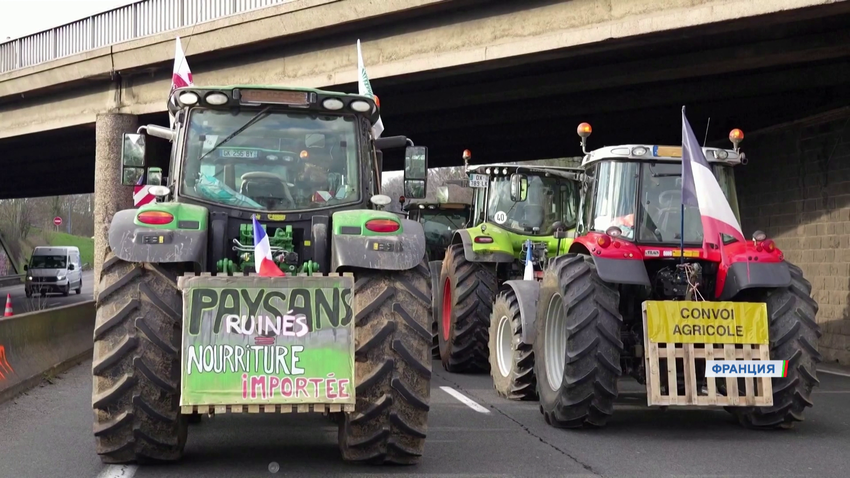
(23, 17)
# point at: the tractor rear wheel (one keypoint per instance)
(136, 367)
(392, 368)
(469, 289)
(511, 360)
(577, 348)
(794, 335)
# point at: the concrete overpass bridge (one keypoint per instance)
(509, 80)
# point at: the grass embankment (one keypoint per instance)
(39, 237)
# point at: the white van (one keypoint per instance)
(54, 269)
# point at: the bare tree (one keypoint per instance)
(15, 224)
(393, 186)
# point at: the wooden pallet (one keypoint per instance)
(689, 358)
(300, 408)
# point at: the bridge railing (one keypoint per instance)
(136, 20)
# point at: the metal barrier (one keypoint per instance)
(137, 20)
(43, 342)
(6, 281)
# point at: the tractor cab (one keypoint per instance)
(301, 160)
(439, 220)
(520, 204)
(635, 192)
(632, 210)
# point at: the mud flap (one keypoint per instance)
(436, 290)
(527, 294)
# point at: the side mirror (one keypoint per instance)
(70, 267)
(132, 159)
(26, 268)
(415, 172)
(414, 188)
(154, 177)
(519, 187)
(390, 142)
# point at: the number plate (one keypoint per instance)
(239, 153)
(478, 180)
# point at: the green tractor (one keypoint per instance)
(521, 215)
(282, 181)
(638, 295)
(439, 220)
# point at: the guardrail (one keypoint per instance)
(6, 281)
(137, 20)
(39, 343)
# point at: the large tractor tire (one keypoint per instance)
(136, 367)
(511, 360)
(469, 289)
(392, 368)
(794, 334)
(577, 348)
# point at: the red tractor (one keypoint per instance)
(594, 312)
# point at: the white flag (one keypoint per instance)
(365, 89)
(181, 75)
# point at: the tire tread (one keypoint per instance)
(393, 368)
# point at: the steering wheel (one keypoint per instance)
(666, 198)
(266, 187)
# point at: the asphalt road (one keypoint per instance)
(20, 303)
(48, 432)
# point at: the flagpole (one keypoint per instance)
(682, 236)
(682, 214)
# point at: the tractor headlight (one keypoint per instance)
(189, 98)
(216, 99)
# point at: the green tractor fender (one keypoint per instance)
(182, 239)
(527, 294)
(376, 240)
(498, 248)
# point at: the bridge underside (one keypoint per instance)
(748, 74)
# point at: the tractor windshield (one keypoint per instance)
(452, 218)
(658, 186)
(548, 199)
(281, 161)
(440, 223)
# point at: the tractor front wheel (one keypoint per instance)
(794, 335)
(577, 348)
(469, 289)
(511, 360)
(392, 368)
(136, 366)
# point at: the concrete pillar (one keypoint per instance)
(110, 196)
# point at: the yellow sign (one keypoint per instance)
(669, 151)
(706, 322)
(277, 217)
(677, 253)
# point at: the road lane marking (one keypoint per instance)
(465, 400)
(118, 471)
(832, 372)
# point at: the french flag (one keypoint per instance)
(181, 75)
(263, 263)
(700, 189)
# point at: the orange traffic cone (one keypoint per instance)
(8, 312)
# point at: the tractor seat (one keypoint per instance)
(262, 184)
(670, 212)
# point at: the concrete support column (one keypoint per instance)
(110, 196)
